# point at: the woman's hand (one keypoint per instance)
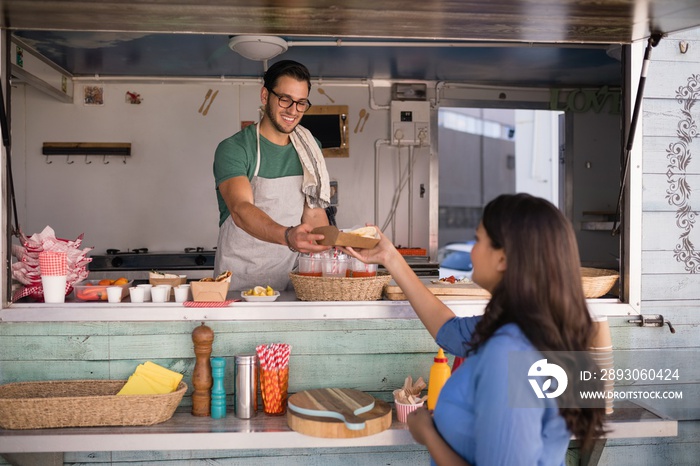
(420, 424)
(382, 253)
(422, 428)
(431, 311)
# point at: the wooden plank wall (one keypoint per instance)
(370, 355)
(668, 286)
(374, 356)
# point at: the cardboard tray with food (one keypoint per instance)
(161, 278)
(211, 289)
(361, 238)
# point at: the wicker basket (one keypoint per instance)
(597, 282)
(339, 289)
(82, 403)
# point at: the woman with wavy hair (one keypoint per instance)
(526, 256)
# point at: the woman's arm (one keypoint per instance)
(420, 423)
(431, 311)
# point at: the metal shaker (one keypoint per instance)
(245, 386)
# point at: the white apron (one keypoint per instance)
(253, 262)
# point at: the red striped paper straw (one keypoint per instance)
(260, 349)
(286, 354)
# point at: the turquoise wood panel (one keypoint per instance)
(371, 355)
(31, 370)
(411, 454)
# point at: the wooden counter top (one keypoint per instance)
(287, 307)
(186, 432)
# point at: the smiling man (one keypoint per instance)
(272, 186)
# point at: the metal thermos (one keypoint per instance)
(246, 383)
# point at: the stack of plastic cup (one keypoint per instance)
(54, 270)
(602, 353)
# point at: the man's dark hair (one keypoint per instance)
(286, 68)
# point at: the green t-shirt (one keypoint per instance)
(236, 156)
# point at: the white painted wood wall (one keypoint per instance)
(667, 287)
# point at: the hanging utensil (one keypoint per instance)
(363, 123)
(322, 92)
(206, 97)
(363, 112)
(206, 110)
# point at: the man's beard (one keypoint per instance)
(271, 117)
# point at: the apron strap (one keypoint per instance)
(257, 136)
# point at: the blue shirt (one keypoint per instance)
(476, 413)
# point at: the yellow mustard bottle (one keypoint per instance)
(439, 374)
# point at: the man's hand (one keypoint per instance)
(301, 239)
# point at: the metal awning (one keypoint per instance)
(528, 42)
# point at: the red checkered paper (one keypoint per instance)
(26, 268)
(209, 303)
(53, 263)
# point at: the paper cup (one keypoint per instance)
(146, 291)
(168, 290)
(53, 263)
(136, 294)
(159, 294)
(182, 293)
(54, 288)
(601, 337)
(605, 360)
(114, 294)
(402, 410)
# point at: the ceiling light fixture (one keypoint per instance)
(259, 48)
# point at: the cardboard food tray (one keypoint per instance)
(209, 291)
(335, 237)
(181, 280)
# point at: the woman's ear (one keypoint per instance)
(501, 265)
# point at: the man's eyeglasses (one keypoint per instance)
(286, 102)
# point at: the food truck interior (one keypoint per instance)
(406, 59)
(79, 72)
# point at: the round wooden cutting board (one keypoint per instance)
(332, 402)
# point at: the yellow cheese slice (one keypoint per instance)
(150, 378)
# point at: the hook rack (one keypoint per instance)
(104, 149)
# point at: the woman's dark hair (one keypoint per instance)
(286, 68)
(541, 290)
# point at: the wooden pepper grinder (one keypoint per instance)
(202, 337)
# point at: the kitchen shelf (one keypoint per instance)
(598, 220)
(186, 432)
(287, 307)
(87, 148)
